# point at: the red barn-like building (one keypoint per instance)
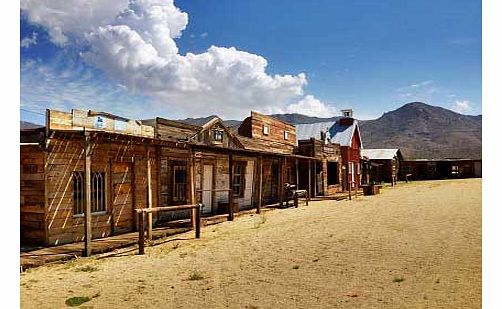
(345, 132)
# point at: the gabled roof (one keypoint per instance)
(342, 134)
(217, 120)
(381, 154)
(309, 130)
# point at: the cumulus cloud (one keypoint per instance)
(311, 106)
(26, 42)
(462, 107)
(134, 43)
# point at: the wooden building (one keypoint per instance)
(88, 156)
(384, 164)
(422, 169)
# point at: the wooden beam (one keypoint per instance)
(110, 196)
(141, 231)
(310, 178)
(133, 191)
(231, 187)
(297, 175)
(315, 178)
(260, 186)
(191, 167)
(197, 221)
(87, 212)
(149, 191)
(281, 181)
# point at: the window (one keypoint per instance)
(218, 135)
(286, 135)
(266, 130)
(179, 182)
(238, 175)
(98, 192)
(454, 169)
(98, 201)
(78, 193)
(407, 169)
(332, 173)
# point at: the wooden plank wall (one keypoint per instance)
(32, 197)
(126, 187)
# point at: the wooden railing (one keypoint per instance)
(144, 211)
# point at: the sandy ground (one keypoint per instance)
(417, 245)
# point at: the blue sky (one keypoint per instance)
(372, 56)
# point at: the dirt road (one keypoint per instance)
(416, 245)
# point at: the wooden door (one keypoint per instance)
(122, 196)
(207, 186)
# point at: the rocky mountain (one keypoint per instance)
(420, 130)
(425, 131)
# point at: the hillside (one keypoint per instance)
(418, 129)
(425, 131)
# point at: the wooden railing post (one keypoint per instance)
(141, 231)
(260, 186)
(231, 189)
(87, 212)
(197, 221)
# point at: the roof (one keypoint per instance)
(342, 134)
(380, 154)
(309, 130)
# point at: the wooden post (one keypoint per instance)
(87, 212)
(297, 175)
(310, 179)
(191, 166)
(260, 186)
(141, 231)
(281, 181)
(197, 221)
(315, 178)
(149, 192)
(110, 196)
(133, 192)
(348, 182)
(231, 188)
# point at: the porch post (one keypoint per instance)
(191, 166)
(231, 188)
(87, 212)
(260, 185)
(149, 191)
(297, 175)
(310, 179)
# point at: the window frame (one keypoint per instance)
(98, 193)
(286, 135)
(266, 129)
(218, 133)
(329, 175)
(242, 179)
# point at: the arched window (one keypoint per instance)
(98, 192)
(78, 193)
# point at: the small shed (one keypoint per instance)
(384, 164)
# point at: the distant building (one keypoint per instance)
(384, 164)
(421, 169)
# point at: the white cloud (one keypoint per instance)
(26, 42)
(462, 107)
(134, 43)
(311, 106)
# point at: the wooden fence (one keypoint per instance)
(144, 211)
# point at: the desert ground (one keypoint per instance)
(416, 245)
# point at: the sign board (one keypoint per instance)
(120, 125)
(99, 122)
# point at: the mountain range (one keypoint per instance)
(419, 130)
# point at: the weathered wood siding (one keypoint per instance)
(125, 168)
(32, 194)
(252, 127)
(221, 178)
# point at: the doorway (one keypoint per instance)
(207, 187)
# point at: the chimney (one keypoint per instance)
(346, 119)
(347, 113)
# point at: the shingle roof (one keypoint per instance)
(379, 154)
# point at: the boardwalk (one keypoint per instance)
(417, 245)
